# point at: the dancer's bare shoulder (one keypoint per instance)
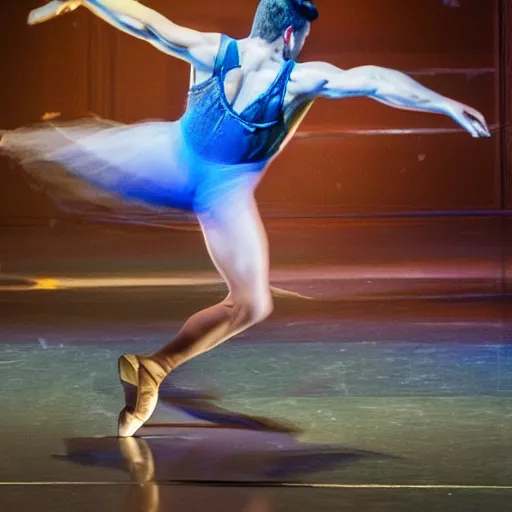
(309, 78)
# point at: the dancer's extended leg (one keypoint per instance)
(238, 246)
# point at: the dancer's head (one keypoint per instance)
(287, 19)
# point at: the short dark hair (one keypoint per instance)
(273, 17)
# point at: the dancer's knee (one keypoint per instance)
(265, 308)
(257, 309)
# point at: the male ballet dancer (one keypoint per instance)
(246, 100)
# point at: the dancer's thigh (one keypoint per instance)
(238, 245)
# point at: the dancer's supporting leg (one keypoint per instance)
(238, 246)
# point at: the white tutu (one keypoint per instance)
(142, 169)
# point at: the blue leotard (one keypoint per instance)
(190, 164)
(215, 132)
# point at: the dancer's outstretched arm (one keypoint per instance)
(51, 10)
(197, 48)
(388, 86)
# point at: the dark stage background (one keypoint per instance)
(77, 65)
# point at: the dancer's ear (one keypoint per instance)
(288, 33)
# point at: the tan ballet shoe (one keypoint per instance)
(141, 378)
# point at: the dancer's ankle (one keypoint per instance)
(163, 361)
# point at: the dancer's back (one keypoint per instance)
(224, 123)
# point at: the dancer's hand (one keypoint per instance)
(51, 10)
(469, 118)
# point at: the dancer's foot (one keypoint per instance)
(141, 378)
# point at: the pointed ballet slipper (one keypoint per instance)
(141, 378)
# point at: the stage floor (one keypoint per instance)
(401, 392)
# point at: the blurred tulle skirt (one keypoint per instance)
(144, 167)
